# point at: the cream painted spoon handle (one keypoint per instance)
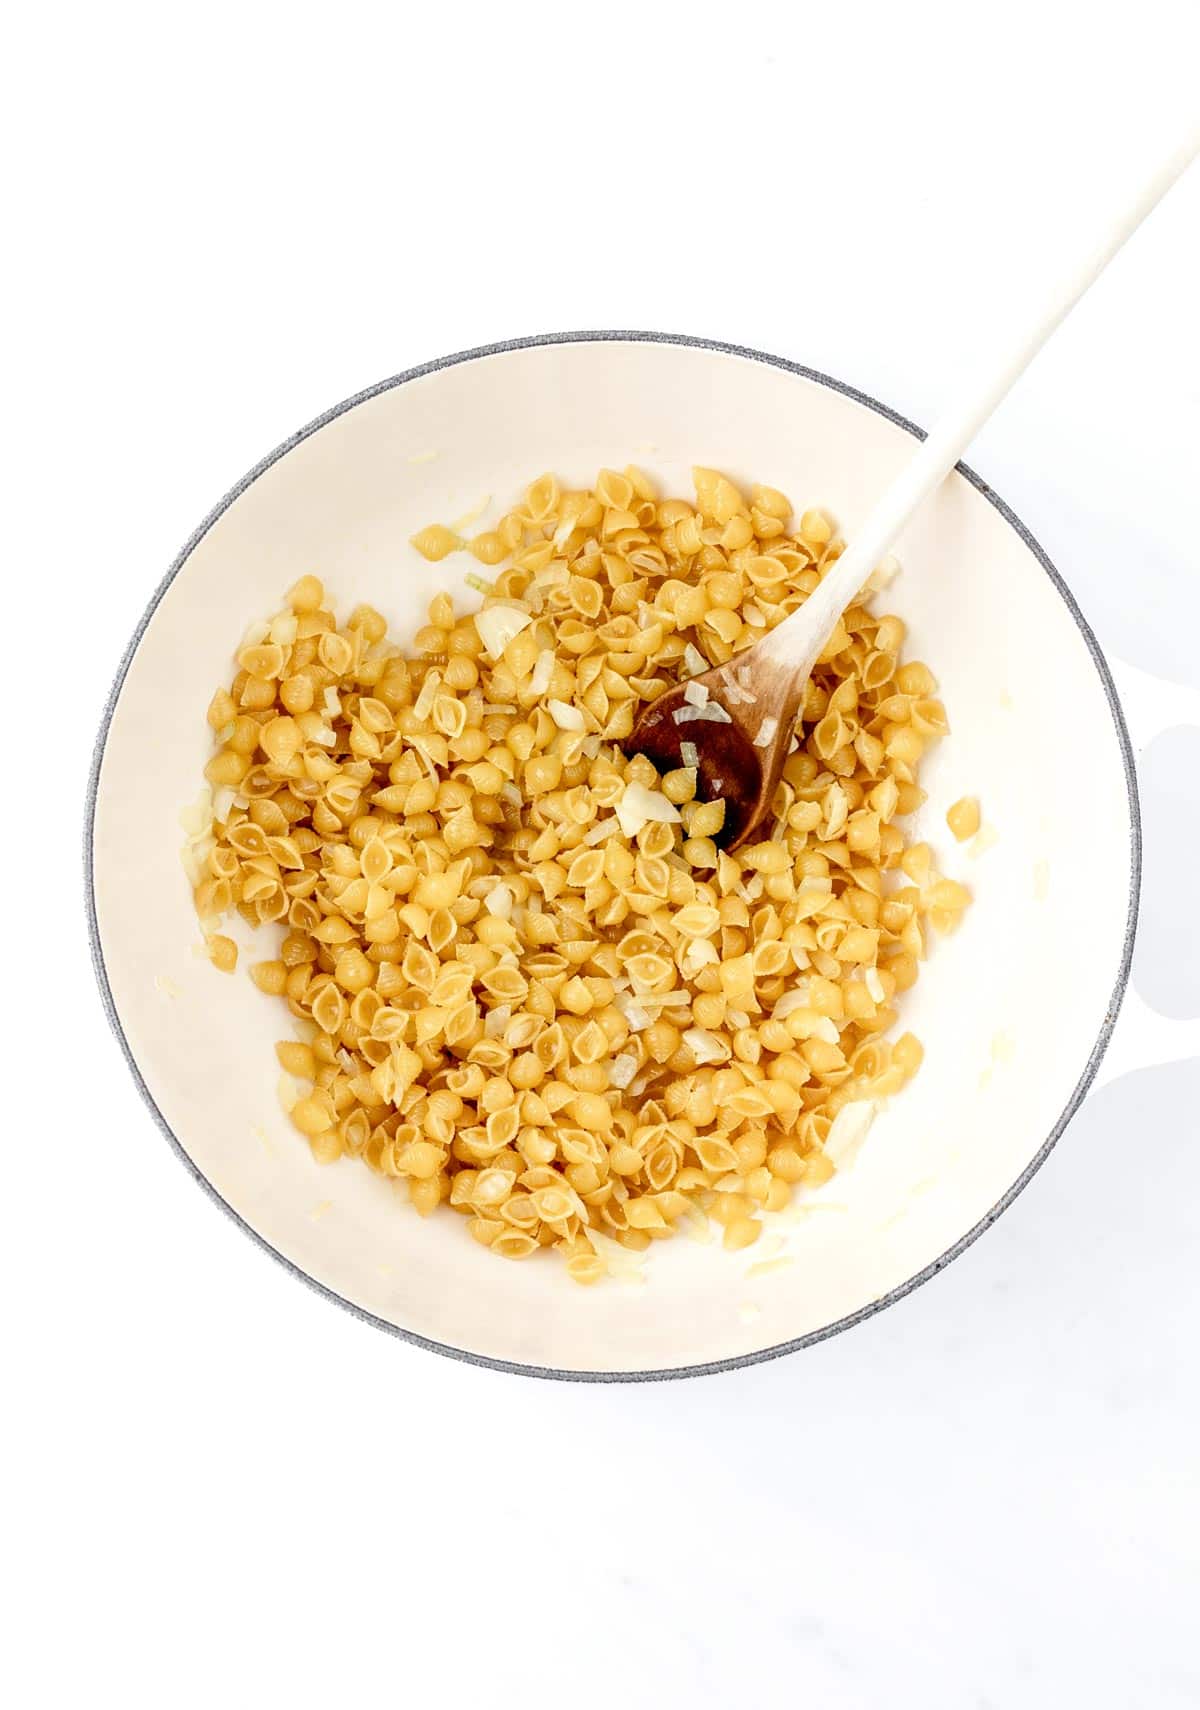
(799, 640)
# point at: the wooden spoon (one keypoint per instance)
(740, 717)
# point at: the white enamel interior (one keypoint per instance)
(1010, 1010)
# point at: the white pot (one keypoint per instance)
(1015, 1011)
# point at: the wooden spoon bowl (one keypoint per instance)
(742, 736)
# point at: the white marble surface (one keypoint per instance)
(224, 1490)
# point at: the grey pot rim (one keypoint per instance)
(1087, 1075)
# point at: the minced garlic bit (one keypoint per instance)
(526, 981)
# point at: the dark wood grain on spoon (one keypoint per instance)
(732, 765)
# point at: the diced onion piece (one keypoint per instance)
(848, 1131)
(698, 953)
(769, 1247)
(620, 1262)
(694, 661)
(480, 584)
(499, 901)
(690, 755)
(766, 732)
(622, 1070)
(796, 998)
(497, 625)
(223, 800)
(807, 1024)
(603, 828)
(566, 717)
(737, 691)
(496, 1020)
(765, 1267)
(423, 705)
(333, 706)
(705, 1046)
(696, 695)
(838, 809)
(543, 670)
(469, 518)
(638, 806)
(634, 1010)
(195, 820)
(712, 714)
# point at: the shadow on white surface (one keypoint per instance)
(1166, 969)
(985, 1496)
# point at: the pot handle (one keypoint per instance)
(1152, 704)
(1142, 1038)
